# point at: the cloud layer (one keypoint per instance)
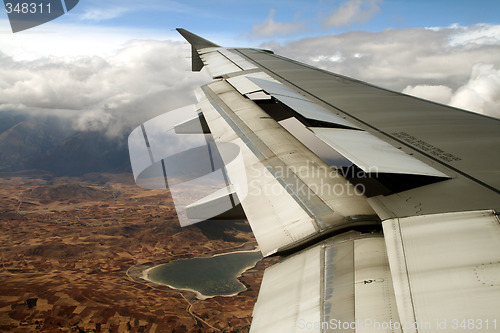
(455, 65)
(141, 80)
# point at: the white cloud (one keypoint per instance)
(62, 40)
(440, 94)
(139, 81)
(96, 11)
(481, 93)
(271, 28)
(352, 12)
(479, 35)
(336, 57)
(101, 14)
(95, 120)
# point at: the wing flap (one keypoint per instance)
(245, 85)
(445, 268)
(249, 84)
(299, 103)
(289, 293)
(276, 219)
(372, 154)
(342, 284)
(290, 200)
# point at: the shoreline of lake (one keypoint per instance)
(141, 272)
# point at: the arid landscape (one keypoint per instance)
(67, 244)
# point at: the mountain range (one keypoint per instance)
(50, 143)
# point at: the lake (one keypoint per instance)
(211, 276)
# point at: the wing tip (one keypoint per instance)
(196, 41)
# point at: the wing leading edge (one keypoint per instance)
(385, 205)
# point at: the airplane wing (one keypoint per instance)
(383, 206)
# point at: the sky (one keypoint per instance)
(110, 65)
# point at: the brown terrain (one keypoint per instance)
(73, 248)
